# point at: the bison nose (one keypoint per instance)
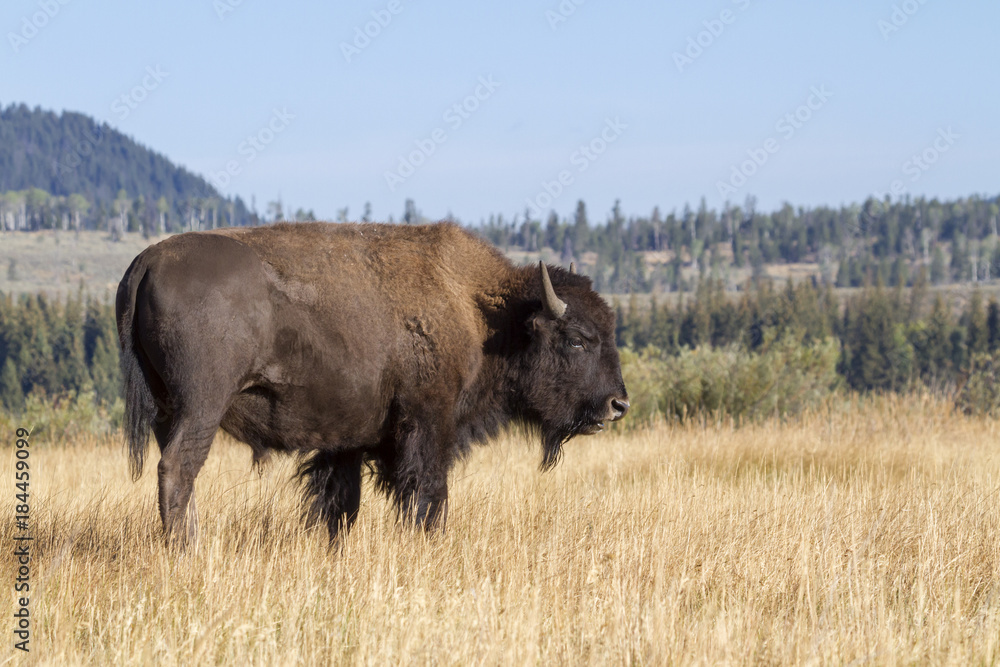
(618, 408)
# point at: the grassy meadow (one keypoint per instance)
(861, 532)
(60, 262)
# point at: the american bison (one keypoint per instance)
(352, 344)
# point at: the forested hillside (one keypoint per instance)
(68, 171)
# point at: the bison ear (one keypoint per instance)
(555, 307)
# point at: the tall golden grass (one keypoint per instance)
(862, 532)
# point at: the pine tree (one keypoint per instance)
(917, 295)
(977, 336)
(104, 369)
(937, 266)
(880, 356)
(738, 247)
(960, 262)
(937, 353)
(993, 325)
(843, 274)
(11, 392)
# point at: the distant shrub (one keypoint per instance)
(63, 418)
(782, 378)
(980, 394)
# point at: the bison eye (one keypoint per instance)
(576, 342)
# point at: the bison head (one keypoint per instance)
(576, 384)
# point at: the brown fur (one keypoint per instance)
(394, 346)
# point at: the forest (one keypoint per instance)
(68, 171)
(701, 315)
(784, 346)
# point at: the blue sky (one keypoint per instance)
(650, 103)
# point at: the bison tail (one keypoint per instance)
(140, 406)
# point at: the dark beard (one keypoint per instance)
(553, 438)
(555, 434)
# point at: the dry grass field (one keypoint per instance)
(59, 263)
(859, 534)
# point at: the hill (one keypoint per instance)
(66, 169)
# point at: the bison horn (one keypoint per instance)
(572, 267)
(554, 306)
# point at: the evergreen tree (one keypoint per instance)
(880, 357)
(581, 229)
(993, 325)
(843, 274)
(738, 247)
(11, 392)
(633, 333)
(977, 334)
(937, 266)
(937, 353)
(959, 258)
(105, 371)
(917, 295)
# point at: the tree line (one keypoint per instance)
(888, 339)
(57, 347)
(951, 241)
(879, 240)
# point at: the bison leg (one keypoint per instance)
(420, 484)
(332, 490)
(180, 462)
(425, 504)
(432, 505)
